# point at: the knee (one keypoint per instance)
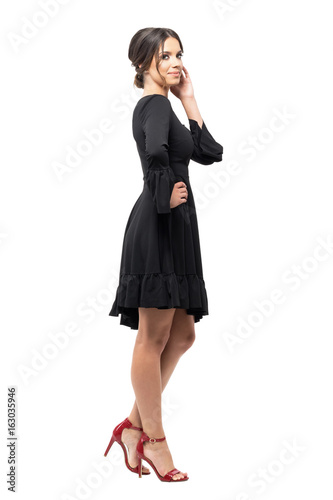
(154, 339)
(185, 340)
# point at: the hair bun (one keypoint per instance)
(138, 81)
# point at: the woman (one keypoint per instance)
(161, 290)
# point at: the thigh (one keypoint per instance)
(154, 320)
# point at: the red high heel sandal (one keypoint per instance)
(139, 450)
(116, 436)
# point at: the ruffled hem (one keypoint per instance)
(163, 291)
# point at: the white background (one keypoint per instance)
(228, 411)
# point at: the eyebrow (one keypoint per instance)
(167, 52)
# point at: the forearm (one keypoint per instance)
(192, 110)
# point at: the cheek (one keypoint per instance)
(164, 66)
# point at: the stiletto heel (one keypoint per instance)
(139, 450)
(116, 436)
(109, 445)
(140, 467)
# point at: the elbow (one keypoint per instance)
(157, 156)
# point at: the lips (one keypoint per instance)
(175, 73)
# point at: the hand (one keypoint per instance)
(179, 194)
(184, 88)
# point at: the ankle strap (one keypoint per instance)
(136, 428)
(128, 422)
(153, 440)
(145, 437)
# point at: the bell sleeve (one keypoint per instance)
(206, 149)
(160, 178)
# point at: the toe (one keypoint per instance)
(177, 476)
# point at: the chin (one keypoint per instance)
(173, 81)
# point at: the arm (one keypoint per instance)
(192, 110)
(206, 149)
(160, 178)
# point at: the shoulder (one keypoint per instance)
(153, 104)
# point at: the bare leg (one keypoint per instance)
(181, 338)
(161, 341)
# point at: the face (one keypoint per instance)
(170, 66)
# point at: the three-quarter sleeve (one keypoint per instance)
(206, 149)
(160, 178)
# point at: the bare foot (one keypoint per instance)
(131, 437)
(160, 455)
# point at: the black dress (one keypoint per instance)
(161, 259)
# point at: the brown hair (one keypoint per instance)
(143, 46)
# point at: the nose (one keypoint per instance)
(175, 62)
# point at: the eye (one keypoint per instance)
(166, 55)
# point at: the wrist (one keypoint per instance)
(188, 99)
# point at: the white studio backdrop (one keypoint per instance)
(247, 411)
